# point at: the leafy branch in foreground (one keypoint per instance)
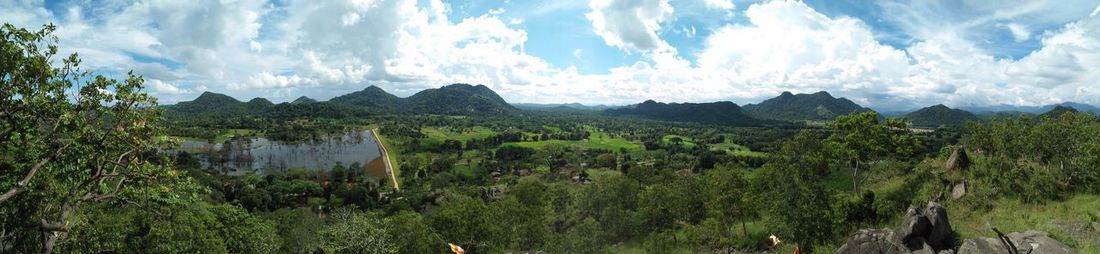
(68, 139)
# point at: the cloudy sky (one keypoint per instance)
(883, 54)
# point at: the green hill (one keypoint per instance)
(303, 100)
(940, 115)
(459, 99)
(723, 112)
(371, 97)
(799, 107)
(1058, 111)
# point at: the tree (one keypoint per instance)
(349, 231)
(68, 139)
(412, 235)
(861, 138)
(795, 202)
(727, 199)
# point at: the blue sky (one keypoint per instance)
(889, 55)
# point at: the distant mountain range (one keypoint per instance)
(723, 112)
(465, 99)
(1033, 109)
(803, 107)
(562, 106)
(454, 99)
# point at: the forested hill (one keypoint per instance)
(799, 107)
(940, 115)
(459, 99)
(455, 99)
(1058, 111)
(723, 112)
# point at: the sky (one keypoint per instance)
(888, 55)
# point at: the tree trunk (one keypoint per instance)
(855, 179)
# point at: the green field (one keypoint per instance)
(736, 150)
(597, 140)
(222, 137)
(445, 133)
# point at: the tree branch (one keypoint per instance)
(22, 184)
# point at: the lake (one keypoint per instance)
(262, 155)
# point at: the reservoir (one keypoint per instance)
(262, 155)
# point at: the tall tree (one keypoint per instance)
(861, 138)
(790, 189)
(68, 138)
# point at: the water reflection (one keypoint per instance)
(262, 155)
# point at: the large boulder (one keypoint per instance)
(873, 241)
(1026, 242)
(940, 236)
(913, 229)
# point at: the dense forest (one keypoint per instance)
(84, 170)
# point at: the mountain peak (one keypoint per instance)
(215, 98)
(798, 107)
(303, 99)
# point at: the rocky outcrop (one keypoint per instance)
(1026, 242)
(928, 230)
(924, 230)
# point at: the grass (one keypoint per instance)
(736, 150)
(597, 140)
(1012, 215)
(445, 133)
(686, 142)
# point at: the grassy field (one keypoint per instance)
(1053, 217)
(736, 150)
(685, 142)
(598, 140)
(444, 133)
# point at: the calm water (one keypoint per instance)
(262, 155)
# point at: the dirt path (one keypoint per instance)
(386, 158)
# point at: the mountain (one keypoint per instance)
(940, 115)
(459, 99)
(1058, 111)
(723, 112)
(1033, 109)
(209, 101)
(303, 100)
(799, 107)
(371, 97)
(564, 106)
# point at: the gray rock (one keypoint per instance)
(1026, 242)
(872, 241)
(940, 236)
(914, 227)
(959, 190)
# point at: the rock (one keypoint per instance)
(958, 160)
(959, 190)
(940, 235)
(1026, 242)
(876, 241)
(914, 227)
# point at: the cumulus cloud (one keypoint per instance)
(630, 24)
(162, 87)
(283, 50)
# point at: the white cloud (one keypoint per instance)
(1019, 32)
(630, 24)
(720, 4)
(253, 48)
(165, 88)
